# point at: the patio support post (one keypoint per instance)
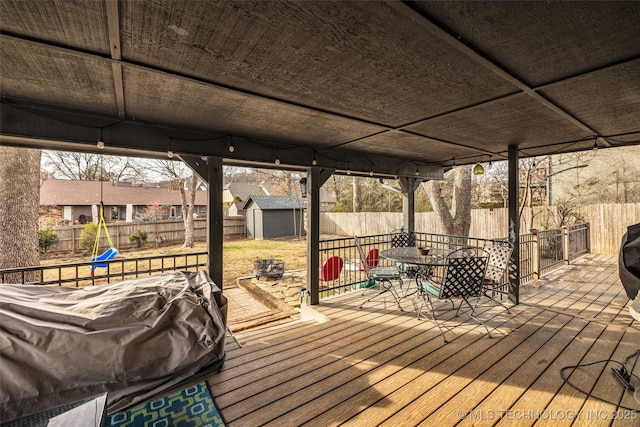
(566, 248)
(210, 171)
(315, 178)
(514, 224)
(215, 220)
(409, 186)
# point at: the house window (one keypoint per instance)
(114, 213)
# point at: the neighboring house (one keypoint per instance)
(268, 217)
(235, 194)
(78, 201)
(610, 175)
(328, 200)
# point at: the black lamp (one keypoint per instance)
(303, 186)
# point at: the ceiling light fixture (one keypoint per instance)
(169, 151)
(277, 161)
(231, 148)
(478, 169)
(100, 143)
(314, 162)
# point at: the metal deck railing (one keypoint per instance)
(540, 253)
(78, 274)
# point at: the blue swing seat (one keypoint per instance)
(106, 256)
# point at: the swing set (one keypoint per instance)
(99, 261)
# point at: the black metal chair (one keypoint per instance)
(402, 238)
(381, 277)
(496, 280)
(462, 277)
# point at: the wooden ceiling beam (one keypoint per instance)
(113, 25)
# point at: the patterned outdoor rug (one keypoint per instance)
(190, 407)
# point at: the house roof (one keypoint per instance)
(242, 190)
(327, 196)
(275, 202)
(64, 192)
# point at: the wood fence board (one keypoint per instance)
(608, 223)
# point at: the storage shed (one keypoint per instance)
(268, 217)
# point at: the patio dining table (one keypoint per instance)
(425, 264)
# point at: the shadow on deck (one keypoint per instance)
(382, 366)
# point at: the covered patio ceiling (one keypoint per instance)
(388, 87)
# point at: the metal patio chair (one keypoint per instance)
(496, 280)
(402, 238)
(462, 278)
(381, 276)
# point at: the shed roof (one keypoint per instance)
(275, 202)
(65, 192)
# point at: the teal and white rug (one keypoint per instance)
(191, 407)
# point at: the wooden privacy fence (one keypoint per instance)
(608, 223)
(157, 232)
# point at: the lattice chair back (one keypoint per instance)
(401, 238)
(463, 274)
(499, 255)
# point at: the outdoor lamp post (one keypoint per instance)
(303, 186)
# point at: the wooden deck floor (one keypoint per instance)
(382, 366)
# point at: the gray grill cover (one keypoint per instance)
(629, 261)
(131, 339)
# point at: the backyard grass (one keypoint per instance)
(239, 255)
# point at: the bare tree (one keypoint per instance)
(457, 218)
(93, 167)
(179, 175)
(19, 204)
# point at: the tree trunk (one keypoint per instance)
(187, 211)
(456, 221)
(19, 205)
(357, 194)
